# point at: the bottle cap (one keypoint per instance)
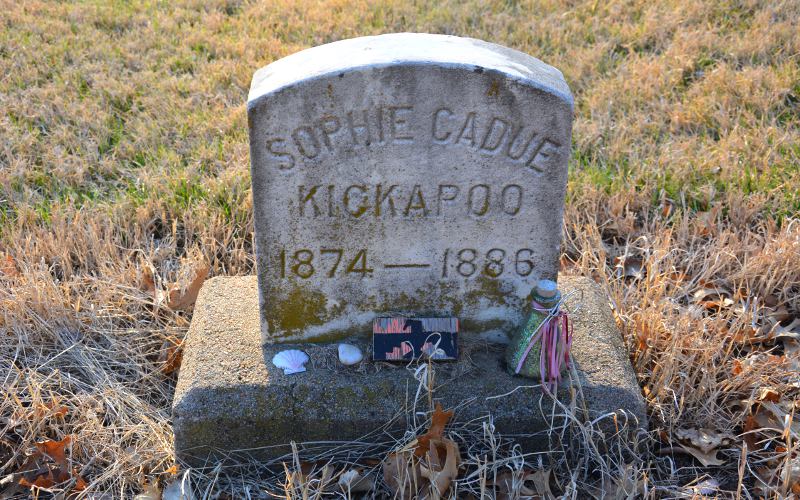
(546, 289)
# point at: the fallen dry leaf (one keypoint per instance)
(402, 475)
(716, 305)
(771, 300)
(55, 449)
(180, 299)
(148, 283)
(80, 483)
(629, 267)
(55, 473)
(439, 420)
(510, 485)
(427, 466)
(779, 479)
(708, 289)
(627, 483)
(440, 471)
(712, 298)
(768, 394)
(778, 418)
(8, 267)
(51, 409)
(703, 444)
(791, 347)
(792, 330)
(171, 356)
(354, 481)
(779, 314)
(48, 478)
(46, 481)
(541, 481)
(746, 334)
(749, 429)
(524, 484)
(758, 359)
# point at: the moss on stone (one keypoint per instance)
(299, 308)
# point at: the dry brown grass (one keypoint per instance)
(123, 148)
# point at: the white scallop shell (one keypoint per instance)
(291, 361)
(349, 354)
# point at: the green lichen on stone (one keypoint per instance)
(298, 309)
(490, 289)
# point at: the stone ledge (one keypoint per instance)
(230, 398)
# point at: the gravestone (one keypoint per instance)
(399, 174)
(405, 173)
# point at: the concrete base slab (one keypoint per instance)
(230, 398)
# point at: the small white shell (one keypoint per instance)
(349, 354)
(291, 361)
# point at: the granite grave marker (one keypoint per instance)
(407, 173)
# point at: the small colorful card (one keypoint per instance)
(403, 339)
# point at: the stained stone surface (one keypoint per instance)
(231, 400)
(405, 173)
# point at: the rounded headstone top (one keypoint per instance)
(546, 288)
(411, 49)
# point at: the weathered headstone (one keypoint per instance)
(405, 173)
(399, 174)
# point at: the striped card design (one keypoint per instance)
(403, 339)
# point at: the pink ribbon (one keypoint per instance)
(555, 334)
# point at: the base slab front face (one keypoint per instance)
(230, 398)
(406, 173)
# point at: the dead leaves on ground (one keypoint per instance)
(426, 467)
(8, 267)
(439, 420)
(712, 298)
(175, 297)
(748, 321)
(524, 483)
(48, 467)
(312, 479)
(703, 444)
(627, 483)
(440, 465)
(789, 337)
(56, 450)
(629, 266)
(170, 356)
(772, 431)
(356, 480)
(183, 299)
